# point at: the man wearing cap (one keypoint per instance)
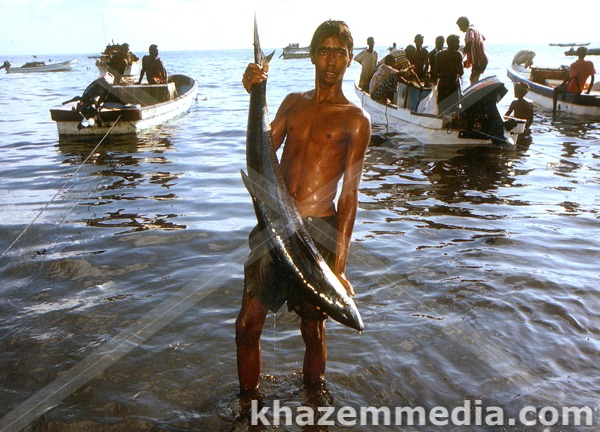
(153, 67)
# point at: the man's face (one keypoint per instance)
(331, 59)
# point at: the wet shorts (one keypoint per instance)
(265, 280)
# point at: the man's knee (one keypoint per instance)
(313, 332)
(249, 324)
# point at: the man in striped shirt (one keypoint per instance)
(474, 49)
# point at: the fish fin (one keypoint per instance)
(269, 57)
(259, 56)
(248, 183)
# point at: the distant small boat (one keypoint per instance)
(295, 51)
(542, 82)
(590, 51)
(105, 108)
(37, 66)
(569, 44)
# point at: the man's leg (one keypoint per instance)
(315, 357)
(248, 328)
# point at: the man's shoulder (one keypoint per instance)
(355, 113)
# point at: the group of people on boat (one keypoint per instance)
(122, 58)
(418, 67)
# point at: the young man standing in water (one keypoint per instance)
(325, 139)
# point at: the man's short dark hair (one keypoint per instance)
(582, 51)
(463, 20)
(453, 41)
(332, 28)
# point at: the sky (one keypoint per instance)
(29, 27)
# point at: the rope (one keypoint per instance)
(62, 188)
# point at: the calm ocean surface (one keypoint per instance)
(476, 269)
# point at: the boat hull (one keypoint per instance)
(294, 51)
(568, 103)
(427, 128)
(131, 118)
(52, 67)
(295, 55)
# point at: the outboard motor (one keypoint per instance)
(480, 104)
(92, 98)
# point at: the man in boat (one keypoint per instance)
(474, 49)
(579, 72)
(153, 67)
(324, 138)
(439, 46)
(386, 78)
(447, 74)
(120, 61)
(368, 61)
(420, 59)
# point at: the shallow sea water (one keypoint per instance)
(476, 269)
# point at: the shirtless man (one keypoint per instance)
(153, 67)
(325, 137)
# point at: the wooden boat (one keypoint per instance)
(590, 51)
(475, 121)
(569, 44)
(36, 66)
(124, 109)
(294, 51)
(103, 61)
(542, 82)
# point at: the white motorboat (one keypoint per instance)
(474, 121)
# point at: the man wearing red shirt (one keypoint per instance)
(579, 72)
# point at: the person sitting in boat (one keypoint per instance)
(153, 67)
(447, 74)
(521, 107)
(579, 72)
(386, 78)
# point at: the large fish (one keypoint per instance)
(278, 216)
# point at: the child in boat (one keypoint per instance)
(521, 107)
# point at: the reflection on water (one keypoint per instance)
(124, 180)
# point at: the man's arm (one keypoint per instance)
(142, 72)
(348, 200)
